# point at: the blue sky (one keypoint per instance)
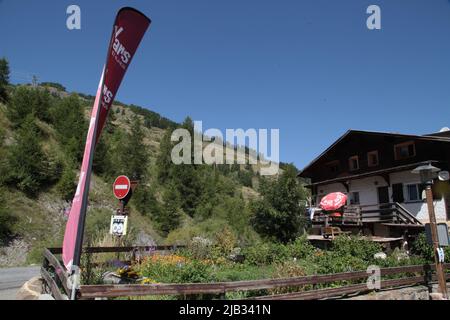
(310, 68)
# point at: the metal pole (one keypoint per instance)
(434, 234)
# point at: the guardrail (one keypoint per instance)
(56, 281)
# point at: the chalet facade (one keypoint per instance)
(374, 169)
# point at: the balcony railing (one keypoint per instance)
(365, 214)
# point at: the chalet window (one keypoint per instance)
(354, 198)
(333, 166)
(404, 150)
(353, 163)
(372, 158)
(397, 192)
(415, 192)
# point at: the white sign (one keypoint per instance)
(441, 255)
(118, 225)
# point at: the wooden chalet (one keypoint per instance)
(374, 170)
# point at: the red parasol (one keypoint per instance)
(333, 201)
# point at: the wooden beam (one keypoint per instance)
(336, 292)
(59, 269)
(120, 249)
(52, 285)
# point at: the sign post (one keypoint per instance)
(122, 191)
(121, 187)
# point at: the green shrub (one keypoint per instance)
(175, 269)
(421, 248)
(279, 214)
(90, 274)
(67, 184)
(195, 271)
(199, 248)
(225, 242)
(288, 269)
(265, 253)
(300, 248)
(6, 221)
(356, 247)
(335, 262)
(239, 271)
(53, 85)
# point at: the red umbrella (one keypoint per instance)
(333, 201)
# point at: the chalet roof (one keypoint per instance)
(381, 172)
(440, 134)
(349, 133)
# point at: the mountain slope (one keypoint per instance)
(39, 220)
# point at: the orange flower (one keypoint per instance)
(166, 259)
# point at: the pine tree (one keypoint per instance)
(145, 201)
(27, 162)
(188, 183)
(4, 79)
(135, 152)
(102, 161)
(102, 158)
(169, 218)
(163, 161)
(27, 101)
(115, 154)
(71, 126)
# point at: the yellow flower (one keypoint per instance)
(170, 259)
(147, 281)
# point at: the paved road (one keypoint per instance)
(11, 279)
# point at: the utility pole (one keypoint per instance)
(427, 174)
(434, 235)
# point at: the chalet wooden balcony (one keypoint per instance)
(360, 215)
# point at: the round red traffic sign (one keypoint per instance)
(121, 187)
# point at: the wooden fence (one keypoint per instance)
(56, 281)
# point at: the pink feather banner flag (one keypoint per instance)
(129, 28)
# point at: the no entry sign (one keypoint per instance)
(121, 187)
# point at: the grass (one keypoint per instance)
(239, 272)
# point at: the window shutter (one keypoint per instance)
(397, 193)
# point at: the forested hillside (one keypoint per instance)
(42, 135)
